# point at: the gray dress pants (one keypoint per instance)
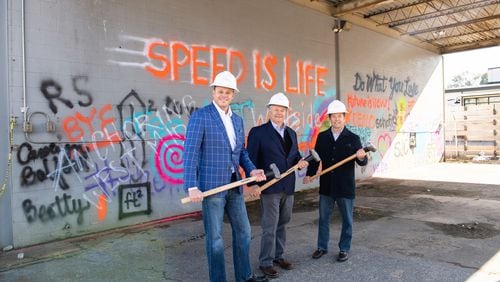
(276, 211)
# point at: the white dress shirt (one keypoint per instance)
(281, 130)
(336, 134)
(228, 124)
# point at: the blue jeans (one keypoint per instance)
(345, 206)
(213, 209)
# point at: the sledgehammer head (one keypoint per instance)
(370, 148)
(274, 172)
(313, 156)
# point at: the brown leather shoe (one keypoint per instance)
(319, 253)
(269, 271)
(286, 265)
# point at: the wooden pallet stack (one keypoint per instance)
(472, 131)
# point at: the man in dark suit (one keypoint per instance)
(213, 151)
(274, 142)
(333, 145)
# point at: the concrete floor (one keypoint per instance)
(428, 229)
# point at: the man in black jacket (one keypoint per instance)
(334, 145)
(274, 142)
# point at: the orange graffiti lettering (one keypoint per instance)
(354, 101)
(72, 129)
(195, 63)
(256, 69)
(269, 64)
(233, 55)
(102, 211)
(176, 64)
(307, 76)
(75, 132)
(321, 72)
(216, 67)
(202, 62)
(158, 72)
(360, 119)
(286, 78)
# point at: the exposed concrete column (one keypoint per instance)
(337, 64)
(5, 194)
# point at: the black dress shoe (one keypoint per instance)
(257, 279)
(286, 265)
(343, 256)
(319, 253)
(269, 271)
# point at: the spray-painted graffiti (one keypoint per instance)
(173, 106)
(134, 199)
(169, 161)
(71, 159)
(364, 133)
(199, 63)
(384, 143)
(130, 131)
(379, 83)
(61, 207)
(368, 102)
(387, 121)
(52, 91)
(78, 125)
(114, 146)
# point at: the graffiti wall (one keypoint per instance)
(394, 95)
(110, 89)
(111, 85)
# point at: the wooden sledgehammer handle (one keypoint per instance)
(368, 148)
(222, 188)
(274, 180)
(283, 175)
(274, 172)
(334, 166)
(313, 156)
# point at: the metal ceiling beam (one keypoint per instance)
(470, 46)
(462, 34)
(317, 5)
(348, 8)
(476, 20)
(354, 6)
(359, 21)
(444, 12)
(415, 3)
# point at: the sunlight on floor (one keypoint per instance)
(489, 272)
(450, 172)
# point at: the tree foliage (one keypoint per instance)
(467, 79)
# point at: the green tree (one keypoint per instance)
(484, 78)
(467, 79)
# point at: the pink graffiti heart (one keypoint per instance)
(383, 143)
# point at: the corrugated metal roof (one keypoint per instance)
(441, 26)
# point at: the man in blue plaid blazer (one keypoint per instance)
(213, 151)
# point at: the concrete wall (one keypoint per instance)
(120, 79)
(394, 93)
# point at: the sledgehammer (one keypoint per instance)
(274, 172)
(368, 148)
(312, 156)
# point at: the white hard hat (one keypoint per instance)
(225, 79)
(279, 99)
(336, 107)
